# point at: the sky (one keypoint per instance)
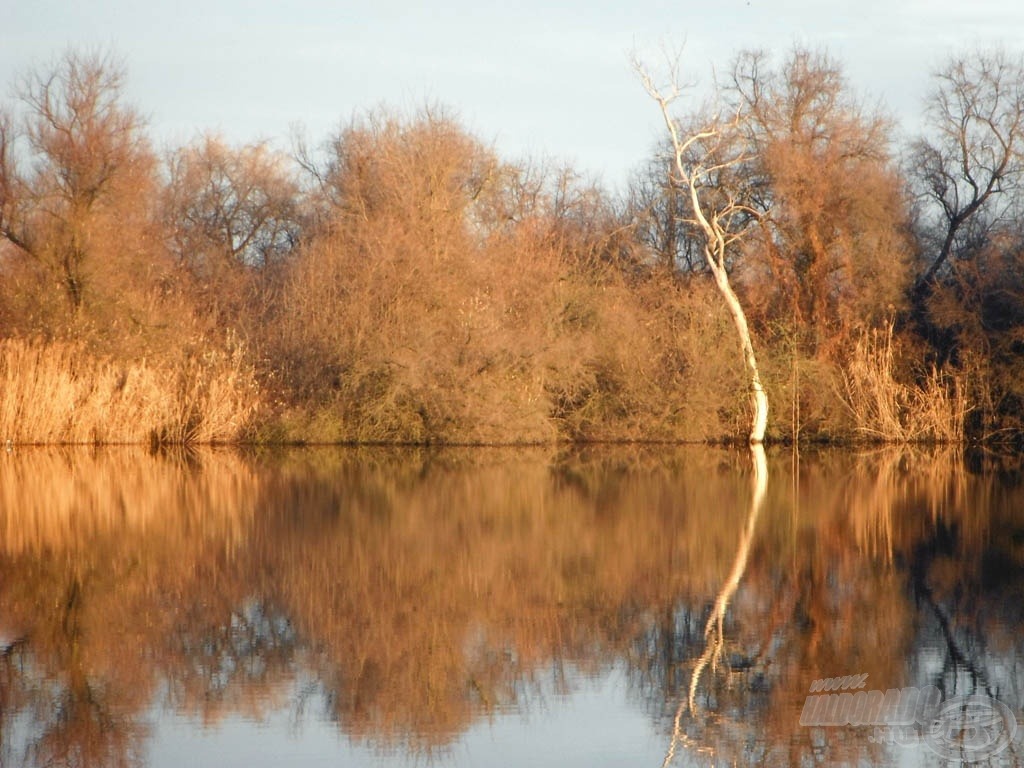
(545, 80)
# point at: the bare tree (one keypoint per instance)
(834, 244)
(708, 162)
(231, 207)
(969, 168)
(10, 182)
(657, 207)
(82, 154)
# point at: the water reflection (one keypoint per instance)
(408, 596)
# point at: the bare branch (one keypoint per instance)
(702, 159)
(977, 114)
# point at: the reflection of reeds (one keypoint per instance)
(64, 499)
(122, 568)
(891, 487)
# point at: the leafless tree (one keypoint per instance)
(230, 206)
(657, 207)
(969, 166)
(76, 155)
(707, 161)
(834, 244)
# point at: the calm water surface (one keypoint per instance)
(503, 607)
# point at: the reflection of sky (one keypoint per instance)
(538, 78)
(594, 725)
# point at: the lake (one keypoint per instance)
(596, 606)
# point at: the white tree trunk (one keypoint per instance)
(739, 318)
(711, 152)
(714, 629)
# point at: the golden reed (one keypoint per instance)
(59, 393)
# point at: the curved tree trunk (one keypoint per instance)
(739, 318)
(716, 239)
(714, 630)
(702, 159)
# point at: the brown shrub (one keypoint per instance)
(450, 298)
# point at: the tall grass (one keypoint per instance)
(59, 392)
(886, 407)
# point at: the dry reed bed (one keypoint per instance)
(59, 393)
(887, 407)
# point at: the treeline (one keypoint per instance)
(401, 282)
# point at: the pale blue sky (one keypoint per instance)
(546, 79)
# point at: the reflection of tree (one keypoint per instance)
(237, 660)
(444, 591)
(968, 584)
(87, 723)
(714, 630)
(827, 591)
(422, 593)
(416, 592)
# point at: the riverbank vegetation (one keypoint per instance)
(401, 281)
